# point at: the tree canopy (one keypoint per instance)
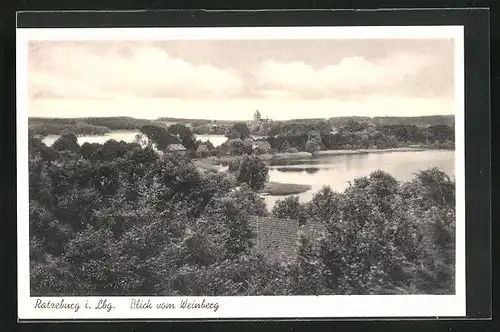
(253, 171)
(159, 136)
(239, 130)
(185, 135)
(118, 219)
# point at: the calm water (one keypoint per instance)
(336, 171)
(128, 136)
(216, 140)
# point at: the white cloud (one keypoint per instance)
(351, 74)
(145, 70)
(71, 70)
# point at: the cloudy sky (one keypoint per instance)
(230, 79)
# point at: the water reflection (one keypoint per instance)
(283, 162)
(336, 171)
(312, 170)
(309, 170)
(128, 136)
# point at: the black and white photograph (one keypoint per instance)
(194, 171)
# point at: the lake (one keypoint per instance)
(337, 170)
(128, 136)
(216, 140)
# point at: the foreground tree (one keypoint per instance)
(89, 150)
(67, 142)
(308, 271)
(325, 205)
(111, 150)
(185, 135)
(134, 223)
(159, 136)
(290, 208)
(254, 172)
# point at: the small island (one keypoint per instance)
(283, 189)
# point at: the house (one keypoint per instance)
(177, 148)
(277, 239)
(261, 146)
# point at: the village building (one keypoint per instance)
(176, 148)
(259, 124)
(257, 118)
(277, 239)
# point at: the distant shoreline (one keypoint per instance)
(306, 155)
(363, 151)
(94, 134)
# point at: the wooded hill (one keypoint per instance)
(102, 125)
(420, 121)
(87, 126)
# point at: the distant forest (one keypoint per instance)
(86, 126)
(103, 125)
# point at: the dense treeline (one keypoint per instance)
(349, 133)
(193, 122)
(121, 123)
(87, 126)
(333, 133)
(356, 134)
(117, 219)
(58, 128)
(419, 121)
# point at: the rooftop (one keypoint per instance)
(278, 238)
(176, 147)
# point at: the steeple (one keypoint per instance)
(256, 116)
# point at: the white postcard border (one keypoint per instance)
(245, 306)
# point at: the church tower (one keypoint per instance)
(257, 117)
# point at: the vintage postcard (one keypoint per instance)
(271, 172)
